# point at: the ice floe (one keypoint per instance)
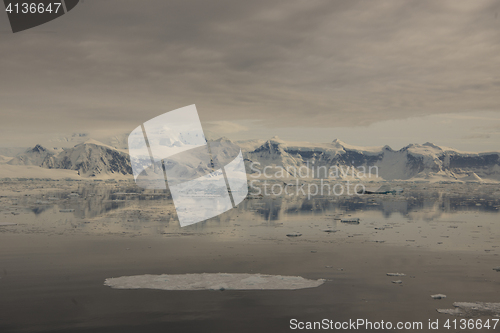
(354, 220)
(212, 281)
(473, 309)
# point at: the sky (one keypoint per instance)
(366, 72)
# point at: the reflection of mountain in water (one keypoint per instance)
(277, 208)
(98, 199)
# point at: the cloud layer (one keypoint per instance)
(110, 65)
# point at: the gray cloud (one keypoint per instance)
(113, 64)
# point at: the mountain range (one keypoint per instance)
(426, 162)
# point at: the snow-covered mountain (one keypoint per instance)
(415, 161)
(90, 159)
(32, 156)
(336, 160)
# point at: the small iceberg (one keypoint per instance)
(212, 281)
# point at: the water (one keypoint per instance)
(70, 236)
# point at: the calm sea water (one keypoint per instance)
(67, 238)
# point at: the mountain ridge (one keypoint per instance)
(426, 161)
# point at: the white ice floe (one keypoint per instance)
(473, 309)
(438, 296)
(396, 274)
(294, 234)
(212, 281)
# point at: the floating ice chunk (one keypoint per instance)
(294, 234)
(497, 269)
(396, 274)
(474, 309)
(66, 210)
(42, 202)
(438, 296)
(329, 230)
(212, 281)
(397, 282)
(354, 220)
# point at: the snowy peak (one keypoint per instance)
(91, 158)
(271, 147)
(429, 144)
(32, 156)
(338, 143)
(91, 142)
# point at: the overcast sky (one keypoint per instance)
(366, 72)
